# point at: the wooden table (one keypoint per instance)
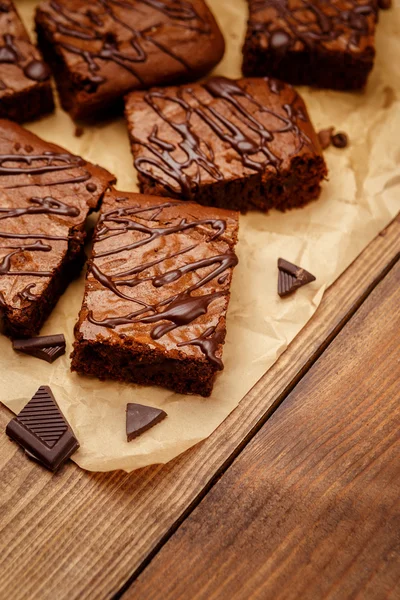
(296, 495)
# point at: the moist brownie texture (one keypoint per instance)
(157, 292)
(101, 50)
(25, 88)
(45, 196)
(246, 144)
(326, 43)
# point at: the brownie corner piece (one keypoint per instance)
(25, 87)
(323, 44)
(99, 51)
(157, 293)
(46, 194)
(237, 144)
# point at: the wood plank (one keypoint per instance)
(311, 508)
(81, 535)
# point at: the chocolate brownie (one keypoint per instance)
(101, 50)
(25, 88)
(46, 194)
(246, 144)
(325, 43)
(157, 293)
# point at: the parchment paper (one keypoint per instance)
(360, 199)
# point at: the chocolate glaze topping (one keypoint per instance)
(177, 310)
(254, 150)
(90, 27)
(311, 25)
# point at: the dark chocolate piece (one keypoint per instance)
(157, 293)
(42, 430)
(140, 418)
(25, 88)
(48, 347)
(246, 144)
(102, 50)
(44, 202)
(291, 277)
(340, 140)
(385, 4)
(329, 44)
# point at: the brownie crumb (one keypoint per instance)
(325, 137)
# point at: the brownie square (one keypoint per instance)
(325, 43)
(46, 194)
(246, 144)
(25, 88)
(101, 50)
(157, 293)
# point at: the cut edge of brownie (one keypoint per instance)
(139, 365)
(28, 104)
(325, 70)
(260, 191)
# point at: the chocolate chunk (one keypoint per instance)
(325, 137)
(385, 4)
(48, 347)
(291, 277)
(42, 430)
(140, 418)
(79, 131)
(340, 140)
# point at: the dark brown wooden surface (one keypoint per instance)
(311, 508)
(83, 535)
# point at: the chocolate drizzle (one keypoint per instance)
(208, 343)
(180, 309)
(26, 294)
(313, 23)
(93, 27)
(251, 141)
(42, 206)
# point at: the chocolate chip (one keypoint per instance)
(37, 71)
(340, 140)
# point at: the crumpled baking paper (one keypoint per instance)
(361, 197)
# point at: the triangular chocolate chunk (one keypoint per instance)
(140, 418)
(291, 277)
(48, 347)
(42, 430)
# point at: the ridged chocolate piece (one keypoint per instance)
(47, 347)
(140, 418)
(42, 430)
(291, 277)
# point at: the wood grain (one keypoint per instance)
(311, 508)
(82, 535)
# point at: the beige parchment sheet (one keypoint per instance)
(361, 197)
